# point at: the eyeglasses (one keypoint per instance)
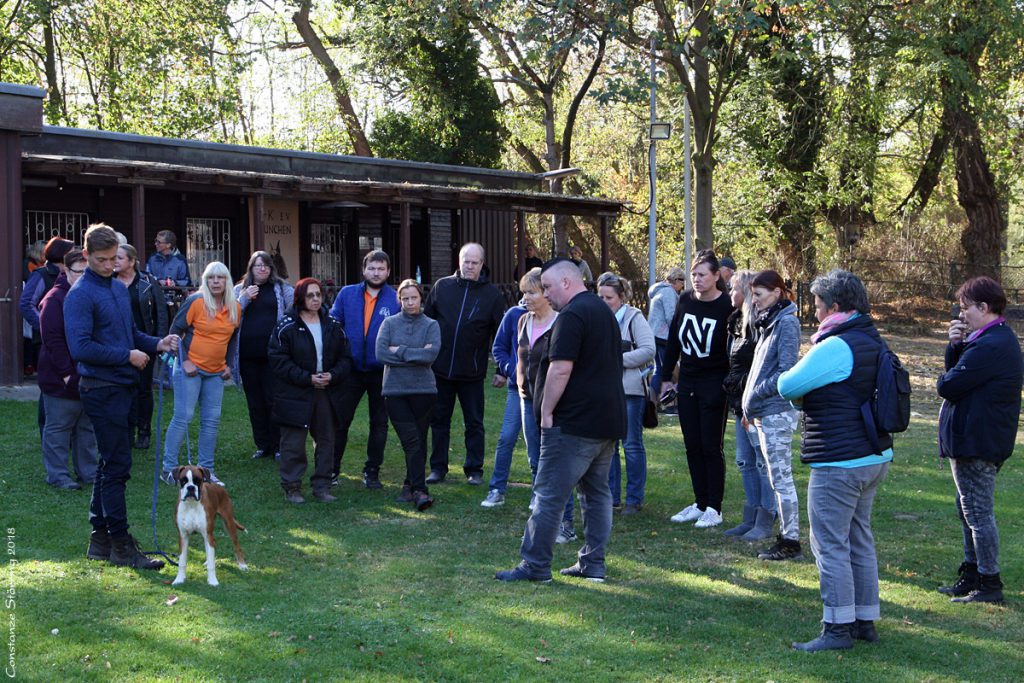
(260, 266)
(77, 272)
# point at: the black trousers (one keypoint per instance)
(258, 385)
(357, 384)
(471, 398)
(293, 463)
(410, 416)
(141, 415)
(702, 416)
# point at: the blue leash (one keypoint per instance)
(164, 359)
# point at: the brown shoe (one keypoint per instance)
(405, 495)
(294, 496)
(125, 552)
(422, 500)
(324, 496)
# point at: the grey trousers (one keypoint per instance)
(839, 502)
(293, 463)
(975, 481)
(566, 462)
(68, 431)
(776, 435)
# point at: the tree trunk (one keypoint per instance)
(338, 85)
(55, 112)
(985, 236)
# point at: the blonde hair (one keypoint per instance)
(218, 268)
(743, 280)
(531, 280)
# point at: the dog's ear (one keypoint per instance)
(205, 472)
(176, 473)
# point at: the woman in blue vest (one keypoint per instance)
(978, 427)
(830, 384)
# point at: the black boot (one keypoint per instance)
(99, 545)
(968, 581)
(142, 440)
(125, 552)
(990, 589)
(864, 630)
(833, 637)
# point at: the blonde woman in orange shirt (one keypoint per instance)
(208, 324)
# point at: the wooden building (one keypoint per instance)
(320, 212)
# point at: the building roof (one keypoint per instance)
(100, 157)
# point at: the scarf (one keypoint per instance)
(830, 323)
(981, 330)
(764, 317)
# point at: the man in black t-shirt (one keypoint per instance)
(582, 414)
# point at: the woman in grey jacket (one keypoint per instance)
(778, 345)
(637, 354)
(407, 344)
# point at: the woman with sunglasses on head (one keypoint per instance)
(149, 309)
(208, 325)
(310, 358)
(264, 298)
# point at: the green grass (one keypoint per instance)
(367, 589)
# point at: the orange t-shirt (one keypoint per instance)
(209, 346)
(368, 303)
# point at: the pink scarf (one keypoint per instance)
(831, 322)
(981, 330)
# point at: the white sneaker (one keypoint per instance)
(214, 480)
(687, 514)
(710, 518)
(494, 499)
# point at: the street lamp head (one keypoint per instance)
(661, 130)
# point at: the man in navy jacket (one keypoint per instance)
(361, 309)
(109, 351)
(167, 264)
(469, 309)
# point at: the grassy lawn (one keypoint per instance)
(368, 589)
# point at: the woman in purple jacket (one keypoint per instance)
(68, 428)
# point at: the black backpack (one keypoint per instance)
(887, 411)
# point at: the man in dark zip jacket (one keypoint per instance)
(469, 310)
(361, 309)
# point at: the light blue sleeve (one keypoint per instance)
(826, 363)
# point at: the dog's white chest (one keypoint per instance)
(191, 517)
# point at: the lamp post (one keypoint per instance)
(659, 130)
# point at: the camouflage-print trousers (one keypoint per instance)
(776, 435)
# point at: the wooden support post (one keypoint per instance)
(259, 236)
(405, 242)
(139, 223)
(605, 221)
(521, 242)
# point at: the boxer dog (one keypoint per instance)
(199, 503)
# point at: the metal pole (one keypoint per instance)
(652, 237)
(687, 186)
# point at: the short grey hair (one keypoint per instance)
(842, 288)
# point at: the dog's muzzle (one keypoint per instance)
(190, 491)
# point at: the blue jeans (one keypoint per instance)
(108, 408)
(511, 423)
(531, 435)
(636, 456)
(753, 469)
(568, 462)
(206, 389)
(839, 502)
(975, 481)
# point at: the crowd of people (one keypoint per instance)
(582, 371)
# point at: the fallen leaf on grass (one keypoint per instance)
(274, 634)
(171, 600)
(543, 642)
(451, 638)
(543, 660)
(292, 639)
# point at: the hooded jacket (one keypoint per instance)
(664, 299)
(469, 313)
(777, 350)
(55, 362)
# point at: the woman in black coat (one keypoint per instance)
(978, 427)
(310, 357)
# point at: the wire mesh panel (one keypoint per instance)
(207, 240)
(327, 245)
(42, 225)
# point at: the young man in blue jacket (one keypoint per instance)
(361, 309)
(167, 264)
(109, 351)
